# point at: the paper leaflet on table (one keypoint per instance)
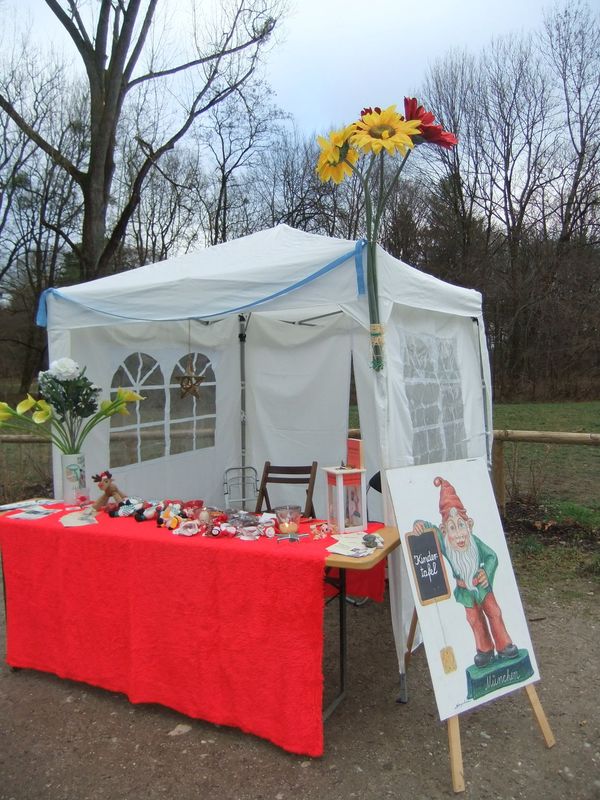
(350, 544)
(43, 501)
(77, 518)
(34, 512)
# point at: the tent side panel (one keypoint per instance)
(298, 386)
(165, 457)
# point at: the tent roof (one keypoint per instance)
(279, 270)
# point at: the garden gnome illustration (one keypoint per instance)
(473, 565)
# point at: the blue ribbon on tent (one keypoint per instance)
(358, 262)
(42, 312)
(41, 318)
(360, 279)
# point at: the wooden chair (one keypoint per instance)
(304, 476)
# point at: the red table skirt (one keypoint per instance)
(220, 629)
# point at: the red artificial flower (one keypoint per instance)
(369, 110)
(430, 132)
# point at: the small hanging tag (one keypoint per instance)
(448, 659)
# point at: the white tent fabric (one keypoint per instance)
(304, 318)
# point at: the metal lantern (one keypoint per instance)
(347, 498)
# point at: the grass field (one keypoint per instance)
(567, 475)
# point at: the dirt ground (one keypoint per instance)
(61, 740)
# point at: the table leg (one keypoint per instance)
(340, 585)
(403, 696)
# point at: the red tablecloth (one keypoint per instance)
(220, 629)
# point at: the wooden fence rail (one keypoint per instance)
(498, 456)
(533, 437)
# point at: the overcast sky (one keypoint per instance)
(334, 57)
(341, 55)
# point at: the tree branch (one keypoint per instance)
(54, 154)
(205, 59)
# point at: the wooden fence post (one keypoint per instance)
(498, 474)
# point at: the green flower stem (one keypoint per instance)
(68, 434)
(28, 426)
(372, 295)
(373, 222)
(385, 193)
(99, 416)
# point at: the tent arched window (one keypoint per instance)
(168, 421)
(139, 436)
(192, 413)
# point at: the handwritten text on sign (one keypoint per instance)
(428, 566)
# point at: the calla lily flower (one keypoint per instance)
(26, 405)
(43, 413)
(6, 411)
(128, 395)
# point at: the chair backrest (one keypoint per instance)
(304, 475)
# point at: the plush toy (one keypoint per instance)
(111, 494)
(127, 507)
(148, 511)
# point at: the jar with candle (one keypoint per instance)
(288, 518)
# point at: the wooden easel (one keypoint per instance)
(454, 746)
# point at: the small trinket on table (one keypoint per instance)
(288, 518)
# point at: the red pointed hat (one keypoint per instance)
(449, 499)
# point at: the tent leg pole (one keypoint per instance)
(242, 339)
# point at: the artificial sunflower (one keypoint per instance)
(378, 129)
(337, 155)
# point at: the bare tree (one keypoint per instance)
(458, 182)
(44, 202)
(571, 44)
(168, 219)
(235, 133)
(111, 49)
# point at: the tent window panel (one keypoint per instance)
(138, 370)
(435, 445)
(434, 394)
(192, 417)
(192, 435)
(152, 443)
(152, 409)
(206, 403)
(202, 405)
(138, 435)
(124, 450)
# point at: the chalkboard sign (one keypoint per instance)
(428, 566)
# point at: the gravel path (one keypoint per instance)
(61, 740)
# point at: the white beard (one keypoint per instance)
(464, 562)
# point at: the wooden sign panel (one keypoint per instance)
(428, 567)
(464, 589)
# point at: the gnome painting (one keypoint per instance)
(470, 613)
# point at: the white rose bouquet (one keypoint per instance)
(67, 409)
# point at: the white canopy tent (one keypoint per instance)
(289, 310)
